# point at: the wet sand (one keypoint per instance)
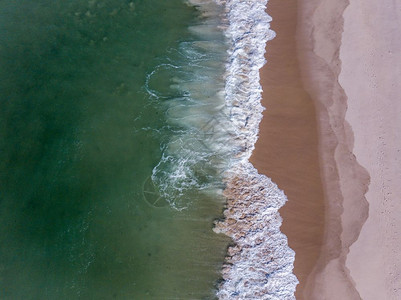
(287, 150)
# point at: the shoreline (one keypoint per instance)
(328, 145)
(347, 58)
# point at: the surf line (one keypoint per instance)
(260, 263)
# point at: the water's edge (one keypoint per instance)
(260, 263)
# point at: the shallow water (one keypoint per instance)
(85, 205)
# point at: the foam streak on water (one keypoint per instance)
(260, 264)
(196, 153)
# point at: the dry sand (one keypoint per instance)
(371, 77)
(332, 129)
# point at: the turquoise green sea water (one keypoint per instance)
(86, 96)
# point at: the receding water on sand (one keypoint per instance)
(92, 128)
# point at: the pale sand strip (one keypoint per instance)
(320, 25)
(287, 150)
(371, 77)
(369, 71)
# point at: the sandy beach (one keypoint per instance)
(370, 75)
(330, 138)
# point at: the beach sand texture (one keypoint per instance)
(371, 77)
(330, 138)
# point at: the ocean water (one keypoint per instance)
(110, 173)
(126, 129)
